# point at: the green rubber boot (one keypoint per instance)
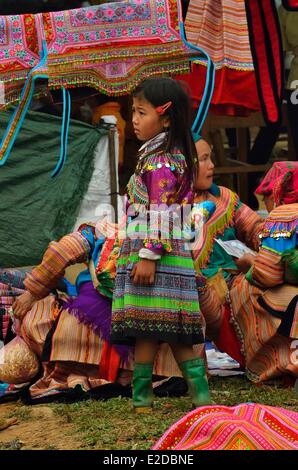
(194, 372)
(142, 395)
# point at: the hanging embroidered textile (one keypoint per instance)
(242, 38)
(220, 27)
(110, 47)
(266, 46)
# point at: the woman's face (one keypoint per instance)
(206, 167)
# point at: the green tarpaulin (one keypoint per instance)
(35, 208)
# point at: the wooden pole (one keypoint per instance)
(113, 172)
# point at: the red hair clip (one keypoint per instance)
(162, 109)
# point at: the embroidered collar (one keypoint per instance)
(152, 144)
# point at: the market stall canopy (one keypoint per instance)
(110, 47)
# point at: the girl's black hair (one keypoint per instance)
(161, 90)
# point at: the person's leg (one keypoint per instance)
(142, 396)
(193, 369)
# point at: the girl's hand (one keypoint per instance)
(23, 304)
(245, 262)
(143, 272)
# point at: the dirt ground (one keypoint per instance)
(39, 428)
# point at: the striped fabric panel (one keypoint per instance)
(63, 376)
(212, 311)
(267, 354)
(220, 28)
(153, 304)
(283, 214)
(37, 323)
(71, 249)
(267, 269)
(74, 341)
(248, 225)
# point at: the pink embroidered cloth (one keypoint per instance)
(110, 47)
(248, 426)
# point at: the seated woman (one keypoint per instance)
(72, 341)
(264, 302)
(231, 220)
(257, 324)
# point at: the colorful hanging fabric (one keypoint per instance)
(266, 46)
(110, 47)
(242, 37)
(220, 28)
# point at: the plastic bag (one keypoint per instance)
(18, 364)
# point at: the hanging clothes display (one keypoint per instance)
(111, 47)
(242, 38)
(220, 27)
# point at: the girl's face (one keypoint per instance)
(206, 166)
(147, 123)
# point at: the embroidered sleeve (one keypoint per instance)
(268, 268)
(278, 235)
(248, 225)
(71, 249)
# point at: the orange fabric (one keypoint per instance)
(109, 363)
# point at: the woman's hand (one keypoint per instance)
(23, 304)
(245, 262)
(143, 272)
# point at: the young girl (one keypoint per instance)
(155, 298)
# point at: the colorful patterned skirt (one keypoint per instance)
(248, 426)
(268, 354)
(168, 311)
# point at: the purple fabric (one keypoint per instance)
(162, 186)
(91, 308)
(279, 225)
